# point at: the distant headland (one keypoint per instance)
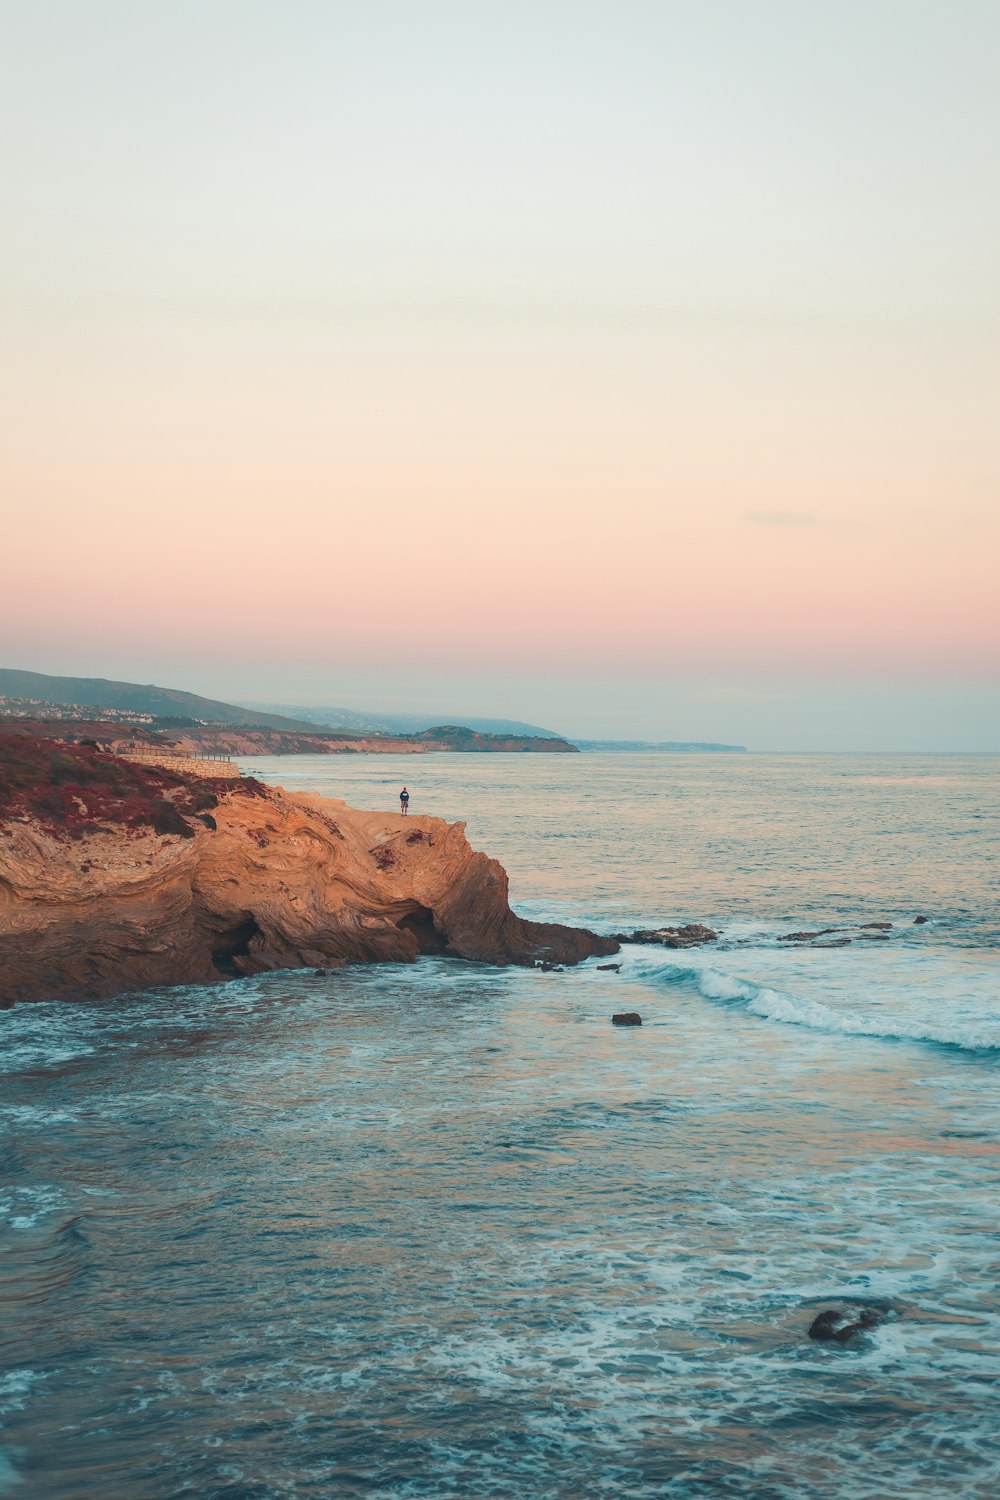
(115, 712)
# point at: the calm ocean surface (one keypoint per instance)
(438, 1230)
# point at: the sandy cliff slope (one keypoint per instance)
(281, 881)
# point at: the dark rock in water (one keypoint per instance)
(875, 937)
(321, 973)
(688, 936)
(626, 1018)
(880, 926)
(833, 1325)
(919, 921)
(549, 968)
(833, 943)
(805, 937)
(609, 968)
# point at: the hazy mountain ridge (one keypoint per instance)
(140, 698)
(208, 725)
(361, 722)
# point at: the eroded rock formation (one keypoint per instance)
(281, 881)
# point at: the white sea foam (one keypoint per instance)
(898, 996)
(16, 1387)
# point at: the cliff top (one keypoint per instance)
(72, 790)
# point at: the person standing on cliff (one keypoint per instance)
(404, 802)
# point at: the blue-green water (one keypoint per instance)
(442, 1231)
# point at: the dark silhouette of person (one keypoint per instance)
(404, 802)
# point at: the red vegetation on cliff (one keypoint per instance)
(77, 789)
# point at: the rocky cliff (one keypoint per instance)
(447, 737)
(93, 903)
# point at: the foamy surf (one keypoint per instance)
(897, 1003)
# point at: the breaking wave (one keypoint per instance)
(975, 1032)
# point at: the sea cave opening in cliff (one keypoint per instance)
(232, 944)
(420, 921)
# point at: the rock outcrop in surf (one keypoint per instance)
(109, 904)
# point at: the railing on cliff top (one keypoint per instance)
(152, 752)
(198, 762)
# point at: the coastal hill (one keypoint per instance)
(207, 726)
(210, 740)
(118, 876)
(403, 723)
(41, 690)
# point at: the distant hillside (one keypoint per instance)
(347, 720)
(231, 740)
(359, 722)
(134, 697)
(459, 737)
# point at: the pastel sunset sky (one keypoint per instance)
(631, 368)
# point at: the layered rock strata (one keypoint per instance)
(279, 881)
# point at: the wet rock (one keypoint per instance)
(842, 942)
(806, 937)
(879, 926)
(608, 968)
(919, 921)
(875, 937)
(689, 936)
(321, 973)
(626, 1018)
(549, 968)
(834, 1325)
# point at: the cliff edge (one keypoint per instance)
(104, 898)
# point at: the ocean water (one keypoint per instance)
(439, 1230)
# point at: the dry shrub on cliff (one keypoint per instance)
(76, 789)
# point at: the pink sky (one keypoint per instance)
(661, 359)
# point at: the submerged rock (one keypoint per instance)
(834, 1325)
(919, 921)
(689, 936)
(626, 1018)
(608, 968)
(879, 926)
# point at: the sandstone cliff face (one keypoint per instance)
(280, 742)
(281, 881)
